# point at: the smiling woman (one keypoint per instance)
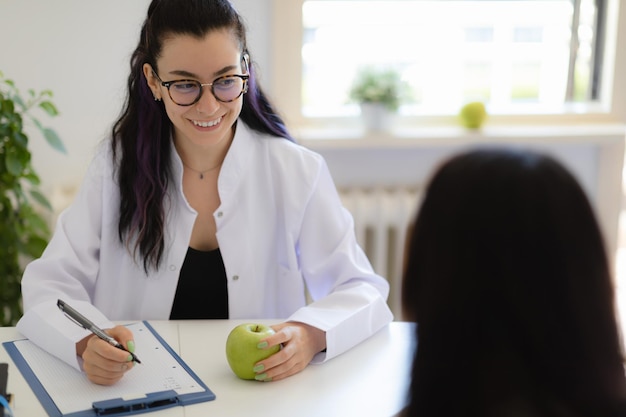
(201, 206)
(79, 50)
(202, 122)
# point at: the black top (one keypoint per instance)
(202, 292)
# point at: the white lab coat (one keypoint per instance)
(281, 229)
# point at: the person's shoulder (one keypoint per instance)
(401, 413)
(288, 146)
(286, 149)
(296, 158)
(102, 157)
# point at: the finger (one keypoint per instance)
(282, 375)
(281, 365)
(282, 336)
(103, 363)
(102, 371)
(123, 335)
(278, 327)
(300, 343)
(102, 377)
(280, 357)
(108, 352)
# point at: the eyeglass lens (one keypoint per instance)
(224, 89)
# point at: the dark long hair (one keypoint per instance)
(142, 133)
(508, 280)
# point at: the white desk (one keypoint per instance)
(369, 380)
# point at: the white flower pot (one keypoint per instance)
(376, 117)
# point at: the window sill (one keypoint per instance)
(402, 137)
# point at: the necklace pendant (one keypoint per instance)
(201, 176)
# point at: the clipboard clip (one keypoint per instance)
(145, 403)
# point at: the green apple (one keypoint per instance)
(473, 115)
(242, 352)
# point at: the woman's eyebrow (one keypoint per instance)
(183, 73)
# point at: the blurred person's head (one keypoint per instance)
(508, 279)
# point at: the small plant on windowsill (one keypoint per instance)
(378, 92)
(24, 231)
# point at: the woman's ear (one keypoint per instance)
(152, 81)
(245, 63)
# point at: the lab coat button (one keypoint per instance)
(172, 267)
(235, 277)
(220, 214)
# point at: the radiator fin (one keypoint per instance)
(381, 220)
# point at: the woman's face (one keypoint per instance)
(209, 121)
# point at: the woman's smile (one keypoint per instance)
(207, 123)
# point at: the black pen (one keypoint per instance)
(83, 321)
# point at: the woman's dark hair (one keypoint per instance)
(508, 280)
(142, 133)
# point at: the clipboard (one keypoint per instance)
(166, 379)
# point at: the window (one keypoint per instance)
(520, 57)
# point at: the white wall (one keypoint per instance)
(80, 49)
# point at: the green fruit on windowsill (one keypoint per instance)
(473, 115)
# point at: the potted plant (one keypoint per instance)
(24, 232)
(378, 91)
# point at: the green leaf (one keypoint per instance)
(8, 106)
(19, 195)
(19, 101)
(32, 178)
(41, 199)
(35, 246)
(49, 108)
(34, 224)
(20, 139)
(54, 140)
(14, 164)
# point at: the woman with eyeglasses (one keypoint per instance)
(201, 206)
(509, 283)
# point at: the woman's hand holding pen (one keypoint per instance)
(105, 364)
(301, 343)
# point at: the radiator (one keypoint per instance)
(381, 219)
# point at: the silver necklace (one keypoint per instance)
(201, 173)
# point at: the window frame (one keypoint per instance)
(286, 79)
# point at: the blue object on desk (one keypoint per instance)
(121, 407)
(117, 406)
(5, 409)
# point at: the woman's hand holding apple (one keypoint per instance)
(300, 342)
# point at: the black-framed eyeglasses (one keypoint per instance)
(226, 88)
